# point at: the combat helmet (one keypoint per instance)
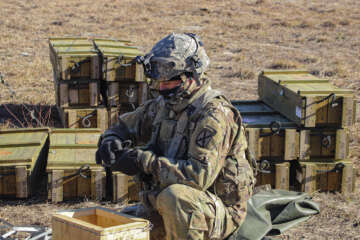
(173, 55)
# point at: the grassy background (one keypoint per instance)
(241, 38)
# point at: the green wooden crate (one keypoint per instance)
(23, 155)
(320, 176)
(118, 59)
(72, 150)
(271, 136)
(307, 100)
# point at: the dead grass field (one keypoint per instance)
(241, 38)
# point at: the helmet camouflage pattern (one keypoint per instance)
(173, 55)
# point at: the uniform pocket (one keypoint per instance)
(198, 221)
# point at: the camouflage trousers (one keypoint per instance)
(190, 214)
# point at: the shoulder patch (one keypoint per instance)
(204, 137)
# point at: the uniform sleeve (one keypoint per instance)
(209, 145)
(136, 125)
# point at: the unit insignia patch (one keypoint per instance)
(204, 137)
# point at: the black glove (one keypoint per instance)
(108, 150)
(126, 162)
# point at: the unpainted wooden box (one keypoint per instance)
(275, 174)
(98, 224)
(126, 93)
(23, 154)
(320, 176)
(306, 99)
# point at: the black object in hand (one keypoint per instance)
(126, 162)
(108, 149)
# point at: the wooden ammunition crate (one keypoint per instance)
(70, 150)
(270, 135)
(23, 154)
(320, 176)
(307, 100)
(126, 93)
(72, 170)
(80, 65)
(77, 93)
(323, 144)
(275, 174)
(118, 61)
(74, 59)
(100, 117)
(98, 224)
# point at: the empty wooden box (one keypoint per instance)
(23, 155)
(320, 176)
(306, 99)
(98, 224)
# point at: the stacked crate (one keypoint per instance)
(23, 154)
(323, 114)
(95, 80)
(271, 140)
(72, 170)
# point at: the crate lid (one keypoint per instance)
(292, 76)
(252, 106)
(256, 114)
(21, 147)
(110, 47)
(73, 148)
(71, 46)
(304, 83)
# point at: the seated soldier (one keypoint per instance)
(194, 150)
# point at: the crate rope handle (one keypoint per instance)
(337, 168)
(332, 101)
(79, 173)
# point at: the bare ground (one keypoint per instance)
(241, 38)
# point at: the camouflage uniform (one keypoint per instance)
(195, 154)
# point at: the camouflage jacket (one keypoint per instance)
(199, 143)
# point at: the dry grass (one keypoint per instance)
(241, 37)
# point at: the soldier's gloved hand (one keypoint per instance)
(109, 148)
(127, 161)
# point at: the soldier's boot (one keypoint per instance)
(190, 214)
